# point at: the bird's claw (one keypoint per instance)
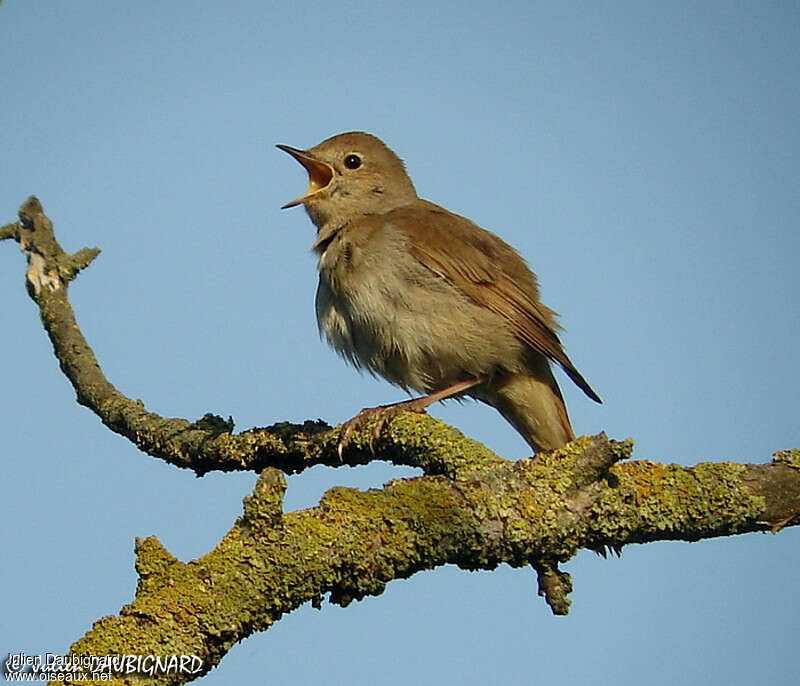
(383, 414)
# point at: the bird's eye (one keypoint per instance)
(352, 161)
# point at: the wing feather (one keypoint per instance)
(489, 272)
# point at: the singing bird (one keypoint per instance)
(425, 298)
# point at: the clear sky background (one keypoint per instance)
(643, 156)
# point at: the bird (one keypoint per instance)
(427, 299)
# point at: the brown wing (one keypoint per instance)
(489, 272)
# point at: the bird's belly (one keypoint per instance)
(422, 335)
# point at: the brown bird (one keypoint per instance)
(425, 298)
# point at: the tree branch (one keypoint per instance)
(472, 508)
(354, 543)
(208, 443)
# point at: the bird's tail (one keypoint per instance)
(533, 405)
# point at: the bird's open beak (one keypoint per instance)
(319, 173)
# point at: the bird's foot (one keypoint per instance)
(382, 415)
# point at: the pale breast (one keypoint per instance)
(384, 311)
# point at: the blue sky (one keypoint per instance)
(643, 156)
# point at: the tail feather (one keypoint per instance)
(582, 383)
(533, 405)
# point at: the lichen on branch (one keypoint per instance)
(354, 543)
(209, 443)
(470, 508)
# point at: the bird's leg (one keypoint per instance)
(385, 413)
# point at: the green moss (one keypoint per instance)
(264, 507)
(439, 448)
(788, 457)
(650, 500)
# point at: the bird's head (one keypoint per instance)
(350, 175)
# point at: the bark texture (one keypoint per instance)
(471, 507)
